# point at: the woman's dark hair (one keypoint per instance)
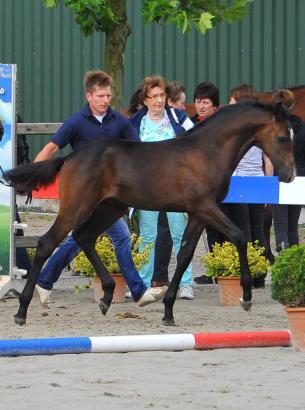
(135, 102)
(207, 90)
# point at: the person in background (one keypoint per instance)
(206, 100)
(248, 217)
(157, 122)
(95, 121)
(134, 103)
(175, 92)
(286, 217)
(175, 98)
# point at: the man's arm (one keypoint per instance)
(47, 152)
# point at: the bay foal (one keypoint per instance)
(188, 174)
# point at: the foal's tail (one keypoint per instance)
(29, 177)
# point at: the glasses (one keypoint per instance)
(156, 96)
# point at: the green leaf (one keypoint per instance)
(205, 22)
(50, 3)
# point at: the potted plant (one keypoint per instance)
(288, 287)
(223, 263)
(106, 252)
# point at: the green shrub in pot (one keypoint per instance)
(288, 277)
(224, 260)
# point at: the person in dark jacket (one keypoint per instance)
(206, 100)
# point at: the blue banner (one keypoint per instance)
(253, 190)
(7, 118)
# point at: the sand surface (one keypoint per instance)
(252, 378)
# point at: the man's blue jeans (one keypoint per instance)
(120, 235)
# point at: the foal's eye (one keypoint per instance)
(282, 139)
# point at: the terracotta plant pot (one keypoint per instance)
(296, 319)
(230, 290)
(119, 291)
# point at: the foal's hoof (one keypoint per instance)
(104, 308)
(168, 322)
(245, 305)
(20, 320)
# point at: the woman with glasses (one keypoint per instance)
(156, 122)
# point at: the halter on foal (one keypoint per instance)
(188, 174)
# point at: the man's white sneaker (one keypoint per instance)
(128, 294)
(186, 292)
(44, 296)
(151, 295)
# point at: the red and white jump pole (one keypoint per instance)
(138, 343)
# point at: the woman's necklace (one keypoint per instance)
(156, 117)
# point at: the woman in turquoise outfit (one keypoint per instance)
(157, 122)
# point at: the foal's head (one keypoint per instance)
(275, 138)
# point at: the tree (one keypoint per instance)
(110, 17)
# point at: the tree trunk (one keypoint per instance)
(115, 45)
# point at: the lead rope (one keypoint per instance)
(5, 182)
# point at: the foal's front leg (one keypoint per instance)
(108, 282)
(46, 245)
(189, 241)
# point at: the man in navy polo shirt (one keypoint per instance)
(96, 120)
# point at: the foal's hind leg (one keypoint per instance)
(189, 241)
(86, 235)
(46, 245)
(215, 218)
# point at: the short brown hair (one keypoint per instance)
(243, 92)
(174, 90)
(151, 82)
(285, 97)
(96, 78)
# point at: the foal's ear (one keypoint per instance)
(280, 112)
